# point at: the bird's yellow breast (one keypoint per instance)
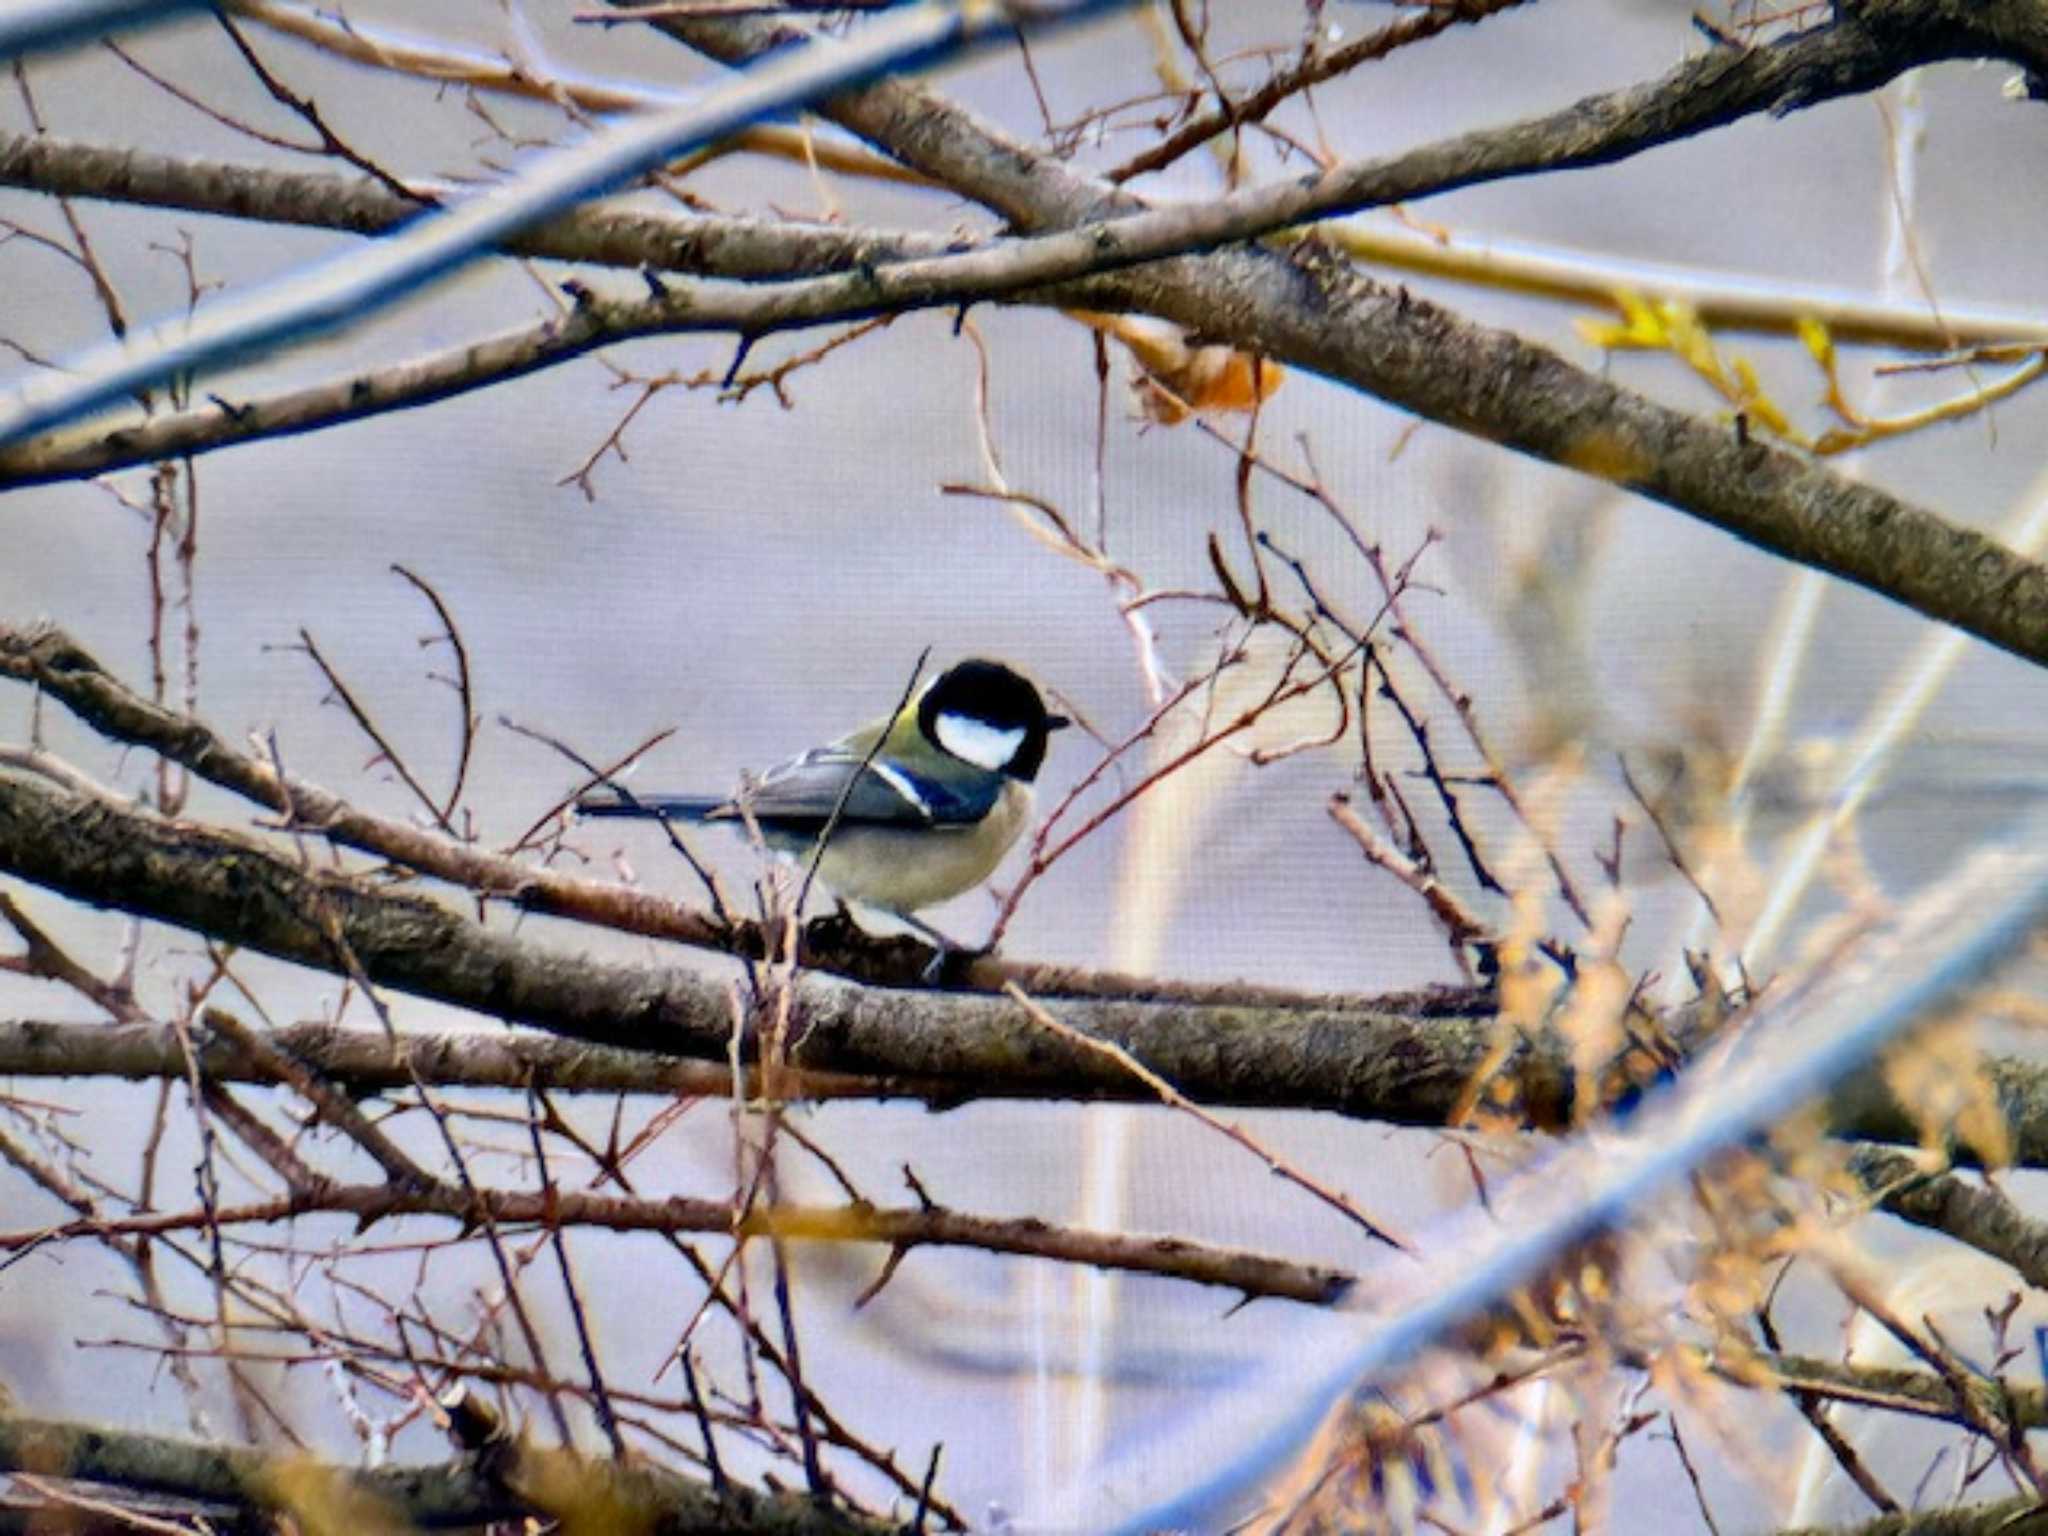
(904, 869)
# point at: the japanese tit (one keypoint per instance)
(942, 799)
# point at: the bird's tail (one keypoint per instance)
(612, 802)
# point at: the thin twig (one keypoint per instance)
(1173, 1098)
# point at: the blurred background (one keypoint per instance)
(758, 575)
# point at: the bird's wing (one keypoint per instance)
(802, 793)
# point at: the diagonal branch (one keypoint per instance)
(1862, 48)
(1316, 66)
(1316, 312)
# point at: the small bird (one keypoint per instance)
(945, 791)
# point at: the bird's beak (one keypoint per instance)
(1057, 722)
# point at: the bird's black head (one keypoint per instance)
(983, 713)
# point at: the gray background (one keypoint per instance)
(760, 578)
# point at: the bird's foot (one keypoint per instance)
(950, 958)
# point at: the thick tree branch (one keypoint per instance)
(367, 1062)
(1603, 128)
(1863, 1107)
(1943, 1202)
(1323, 314)
(604, 233)
(523, 1481)
(676, 307)
(1897, 1388)
(618, 233)
(2019, 1516)
(1385, 1065)
(1902, 1390)
(1354, 1058)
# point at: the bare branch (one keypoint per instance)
(1313, 70)
(354, 39)
(1314, 310)
(919, 1226)
(1351, 328)
(1174, 1099)
(440, 240)
(607, 232)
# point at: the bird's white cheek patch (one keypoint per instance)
(976, 741)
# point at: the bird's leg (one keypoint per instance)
(944, 947)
